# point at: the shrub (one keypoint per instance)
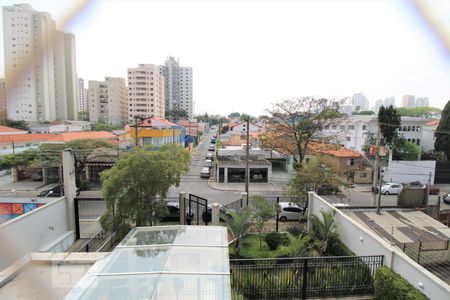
(273, 240)
(295, 230)
(390, 285)
(337, 248)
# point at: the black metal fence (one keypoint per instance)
(304, 277)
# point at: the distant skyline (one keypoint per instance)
(248, 54)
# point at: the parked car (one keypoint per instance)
(416, 183)
(210, 156)
(211, 147)
(208, 163)
(204, 173)
(391, 188)
(446, 198)
(213, 141)
(327, 189)
(433, 190)
(55, 192)
(290, 211)
(173, 214)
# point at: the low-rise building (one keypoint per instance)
(428, 137)
(156, 132)
(63, 126)
(351, 132)
(16, 143)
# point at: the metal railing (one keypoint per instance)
(304, 277)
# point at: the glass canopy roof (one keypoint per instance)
(162, 262)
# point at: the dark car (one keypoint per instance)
(327, 189)
(416, 183)
(207, 217)
(433, 190)
(173, 214)
(55, 192)
(446, 198)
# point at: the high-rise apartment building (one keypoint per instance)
(360, 102)
(82, 96)
(178, 86)
(2, 96)
(377, 106)
(389, 101)
(422, 101)
(145, 92)
(108, 101)
(40, 67)
(408, 101)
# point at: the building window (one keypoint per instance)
(364, 127)
(342, 127)
(418, 142)
(327, 127)
(351, 127)
(349, 139)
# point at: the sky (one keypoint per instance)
(249, 54)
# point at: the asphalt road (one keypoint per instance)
(191, 183)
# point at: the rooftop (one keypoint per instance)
(10, 130)
(162, 262)
(335, 150)
(57, 137)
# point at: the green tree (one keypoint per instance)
(442, 142)
(294, 123)
(103, 126)
(389, 121)
(22, 125)
(364, 113)
(83, 116)
(319, 170)
(135, 189)
(238, 223)
(404, 150)
(298, 245)
(418, 112)
(234, 115)
(263, 211)
(175, 115)
(323, 230)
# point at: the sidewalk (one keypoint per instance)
(6, 184)
(240, 187)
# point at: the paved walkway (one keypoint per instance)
(7, 185)
(253, 187)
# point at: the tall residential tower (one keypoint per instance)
(40, 67)
(145, 92)
(178, 86)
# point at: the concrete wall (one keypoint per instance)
(362, 241)
(43, 229)
(407, 171)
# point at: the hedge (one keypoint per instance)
(390, 285)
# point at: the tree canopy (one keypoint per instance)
(294, 123)
(135, 189)
(4, 121)
(420, 111)
(364, 112)
(234, 115)
(404, 150)
(175, 115)
(103, 126)
(389, 121)
(442, 142)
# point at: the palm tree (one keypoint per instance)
(238, 223)
(323, 230)
(298, 245)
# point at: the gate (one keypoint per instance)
(197, 209)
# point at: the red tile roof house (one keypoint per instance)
(9, 131)
(347, 158)
(17, 143)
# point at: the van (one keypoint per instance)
(204, 173)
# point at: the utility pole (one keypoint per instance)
(379, 190)
(136, 131)
(247, 153)
(377, 165)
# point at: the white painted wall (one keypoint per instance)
(363, 241)
(43, 229)
(407, 171)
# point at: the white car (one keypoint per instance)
(208, 163)
(289, 211)
(391, 188)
